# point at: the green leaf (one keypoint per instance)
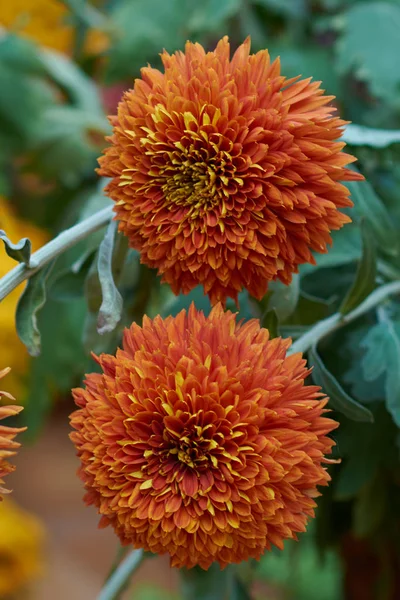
(358, 135)
(70, 283)
(369, 45)
(338, 399)
(364, 448)
(345, 249)
(111, 307)
(80, 88)
(367, 204)
(309, 60)
(62, 361)
(270, 321)
(210, 15)
(23, 95)
(32, 300)
(309, 310)
(289, 8)
(282, 298)
(364, 282)
(64, 146)
(382, 356)
(143, 28)
(21, 251)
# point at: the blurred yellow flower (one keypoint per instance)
(12, 351)
(21, 548)
(47, 22)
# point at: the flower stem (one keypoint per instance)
(118, 580)
(66, 239)
(321, 329)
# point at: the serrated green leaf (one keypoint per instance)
(338, 399)
(368, 204)
(382, 345)
(21, 251)
(364, 282)
(358, 135)
(270, 321)
(30, 303)
(369, 45)
(111, 307)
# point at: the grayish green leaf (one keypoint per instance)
(111, 307)
(369, 45)
(21, 251)
(368, 204)
(32, 300)
(345, 249)
(358, 135)
(81, 89)
(382, 345)
(211, 14)
(364, 282)
(338, 399)
(283, 298)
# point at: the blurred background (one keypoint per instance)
(63, 68)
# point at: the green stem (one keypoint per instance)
(66, 239)
(118, 580)
(213, 584)
(337, 320)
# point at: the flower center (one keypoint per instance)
(194, 449)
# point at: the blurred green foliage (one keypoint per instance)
(52, 127)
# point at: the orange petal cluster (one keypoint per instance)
(224, 173)
(200, 439)
(8, 445)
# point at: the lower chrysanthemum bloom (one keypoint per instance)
(8, 445)
(199, 439)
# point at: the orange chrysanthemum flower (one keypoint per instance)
(199, 439)
(7, 434)
(225, 173)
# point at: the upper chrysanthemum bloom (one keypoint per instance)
(225, 173)
(200, 439)
(7, 434)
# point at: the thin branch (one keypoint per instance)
(321, 329)
(66, 239)
(118, 580)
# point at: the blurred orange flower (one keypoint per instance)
(12, 350)
(225, 173)
(47, 22)
(7, 434)
(200, 439)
